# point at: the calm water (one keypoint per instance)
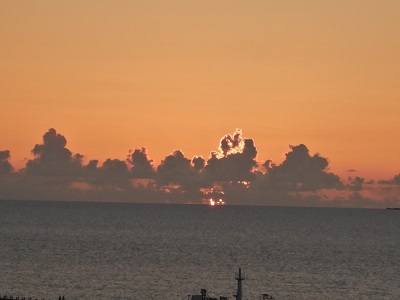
(137, 251)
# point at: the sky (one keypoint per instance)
(115, 76)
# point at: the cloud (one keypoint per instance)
(300, 172)
(176, 169)
(395, 180)
(234, 160)
(302, 179)
(5, 165)
(198, 163)
(142, 165)
(91, 168)
(114, 171)
(356, 183)
(52, 158)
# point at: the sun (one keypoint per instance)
(218, 202)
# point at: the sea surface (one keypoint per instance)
(155, 251)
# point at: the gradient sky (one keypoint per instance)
(166, 75)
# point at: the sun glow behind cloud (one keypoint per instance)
(231, 144)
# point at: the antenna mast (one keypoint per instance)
(239, 279)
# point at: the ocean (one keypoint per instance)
(156, 251)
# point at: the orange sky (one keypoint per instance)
(115, 75)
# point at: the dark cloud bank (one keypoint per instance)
(231, 172)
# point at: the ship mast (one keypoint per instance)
(239, 279)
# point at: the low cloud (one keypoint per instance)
(356, 183)
(178, 170)
(114, 171)
(395, 180)
(233, 161)
(52, 158)
(198, 163)
(300, 172)
(231, 171)
(142, 165)
(5, 165)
